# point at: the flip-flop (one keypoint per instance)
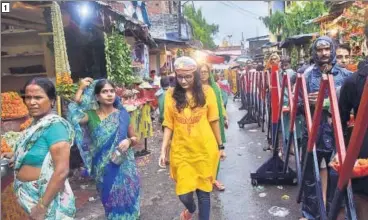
(219, 186)
(185, 215)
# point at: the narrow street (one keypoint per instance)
(239, 201)
(64, 58)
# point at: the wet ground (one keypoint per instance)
(240, 201)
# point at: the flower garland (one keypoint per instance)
(64, 83)
(26, 124)
(12, 106)
(349, 28)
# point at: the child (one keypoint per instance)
(165, 85)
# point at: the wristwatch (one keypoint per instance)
(221, 147)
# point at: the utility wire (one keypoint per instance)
(240, 11)
(247, 11)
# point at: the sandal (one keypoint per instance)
(185, 215)
(219, 186)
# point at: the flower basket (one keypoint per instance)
(360, 168)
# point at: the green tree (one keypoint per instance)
(202, 30)
(295, 21)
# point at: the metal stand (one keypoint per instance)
(143, 152)
(273, 171)
(343, 190)
(311, 155)
(250, 117)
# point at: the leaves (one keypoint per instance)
(293, 22)
(202, 30)
(118, 59)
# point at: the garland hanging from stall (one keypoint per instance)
(118, 59)
(64, 83)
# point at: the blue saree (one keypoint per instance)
(118, 185)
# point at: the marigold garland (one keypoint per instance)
(64, 83)
(12, 106)
(5, 148)
(26, 124)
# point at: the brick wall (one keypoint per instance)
(162, 7)
(162, 23)
(119, 6)
(157, 7)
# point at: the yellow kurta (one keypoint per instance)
(194, 153)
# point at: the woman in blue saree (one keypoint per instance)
(104, 138)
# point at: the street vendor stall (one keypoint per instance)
(348, 28)
(139, 104)
(24, 49)
(15, 113)
(14, 118)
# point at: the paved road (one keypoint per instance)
(240, 201)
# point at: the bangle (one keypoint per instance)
(40, 202)
(130, 141)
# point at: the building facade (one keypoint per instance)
(162, 7)
(255, 45)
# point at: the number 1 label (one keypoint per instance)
(5, 7)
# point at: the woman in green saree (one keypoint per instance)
(208, 79)
(105, 140)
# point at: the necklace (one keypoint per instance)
(104, 115)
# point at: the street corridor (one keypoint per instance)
(240, 200)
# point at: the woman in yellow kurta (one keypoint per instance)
(191, 115)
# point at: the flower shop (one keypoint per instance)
(345, 23)
(86, 39)
(65, 42)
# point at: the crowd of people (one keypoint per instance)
(328, 57)
(192, 105)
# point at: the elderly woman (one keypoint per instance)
(191, 116)
(41, 157)
(105, 139)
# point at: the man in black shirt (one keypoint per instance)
(350, 98)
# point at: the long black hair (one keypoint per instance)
(197, 91)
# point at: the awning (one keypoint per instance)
(270, 44)
(297, 39)
(159, 40)
(139, 29)
(242, 59)
(220, 66)
(215, 59)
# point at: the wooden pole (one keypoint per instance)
(58, 105)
